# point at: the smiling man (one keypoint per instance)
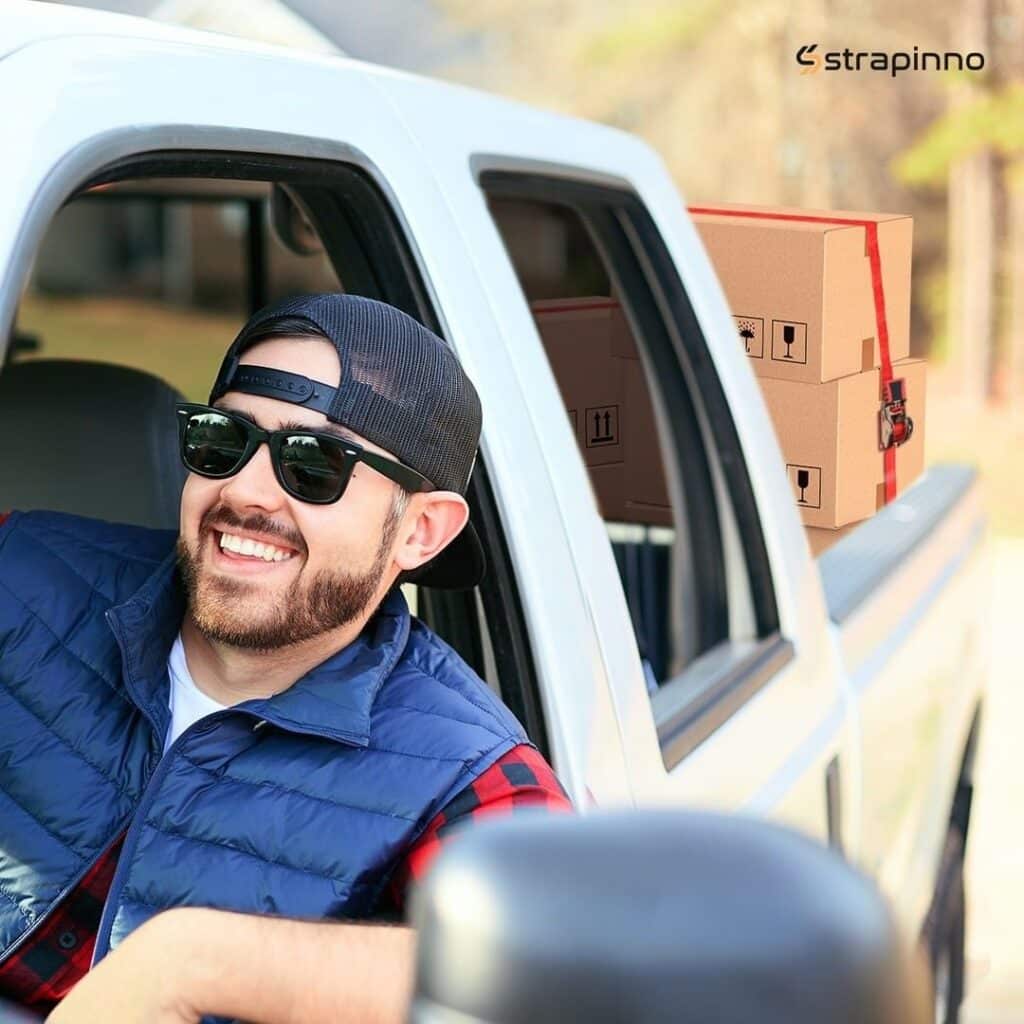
(245, 719)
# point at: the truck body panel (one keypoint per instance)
(856, 731)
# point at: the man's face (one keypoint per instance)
(326, 562)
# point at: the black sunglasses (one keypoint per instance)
(310, 465)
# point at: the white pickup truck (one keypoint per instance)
(709, 662)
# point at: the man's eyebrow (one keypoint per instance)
(327, 428)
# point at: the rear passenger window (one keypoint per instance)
(591, 347)
(643, 402)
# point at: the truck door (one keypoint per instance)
(685, 548)
(733, 699)
(180, 122)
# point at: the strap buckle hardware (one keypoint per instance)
(894, 425)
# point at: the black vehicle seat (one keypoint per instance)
(89, 438)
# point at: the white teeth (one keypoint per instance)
(253, 548)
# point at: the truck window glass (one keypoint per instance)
(641, 425)
(157, 274)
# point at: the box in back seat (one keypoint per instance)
(595, 361)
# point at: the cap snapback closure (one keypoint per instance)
(279, 384)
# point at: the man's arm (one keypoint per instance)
(519, 780)
(191, 961)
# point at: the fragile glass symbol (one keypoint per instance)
(803, 480)
(788, 337)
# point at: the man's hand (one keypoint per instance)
(189, 962)
(142, 980)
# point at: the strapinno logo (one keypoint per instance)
(809, 61)
(894, 63)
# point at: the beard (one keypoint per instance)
(229, 611)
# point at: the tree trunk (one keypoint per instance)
(1013, 344)
(1013, 187)
(972, 237)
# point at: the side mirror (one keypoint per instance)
(291, 222)
(656, 916)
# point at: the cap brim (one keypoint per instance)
(460, 566)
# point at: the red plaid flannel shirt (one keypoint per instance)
(46, 968)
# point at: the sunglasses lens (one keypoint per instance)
(313, 469)
(213, 445)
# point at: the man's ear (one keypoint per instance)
(433, 520)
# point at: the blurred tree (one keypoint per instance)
(978, 146)
(1013, 279)
(714, 86)
(972, 231)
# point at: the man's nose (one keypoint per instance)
(255, 485)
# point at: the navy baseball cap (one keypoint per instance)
(401, 387)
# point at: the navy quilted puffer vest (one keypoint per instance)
(301, 804)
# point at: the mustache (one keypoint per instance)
(223, 516)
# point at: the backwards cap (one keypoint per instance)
(401, 387)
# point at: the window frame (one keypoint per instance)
(726, 674)
(366, 219)
(594, 206)
(389, 269)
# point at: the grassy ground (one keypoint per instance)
(991, 437)
(181, 346)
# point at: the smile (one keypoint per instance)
(249, 548)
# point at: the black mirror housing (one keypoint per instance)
(656, 916)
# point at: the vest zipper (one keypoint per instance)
(142, 808)
(130, 829)
(134, 828)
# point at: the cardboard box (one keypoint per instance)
(801, 293)
(829, 438)
(820, 539)
(646, 489)
(595, 361)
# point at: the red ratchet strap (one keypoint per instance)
(894, 425)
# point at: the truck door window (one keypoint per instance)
(644, 404)
(156, 263)
(156, 273)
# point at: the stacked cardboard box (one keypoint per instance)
(802, 292)
(595, 361)
(829, 437)
(821, 540)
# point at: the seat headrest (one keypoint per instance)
(89, 438)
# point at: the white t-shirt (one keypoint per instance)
(187, 702)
